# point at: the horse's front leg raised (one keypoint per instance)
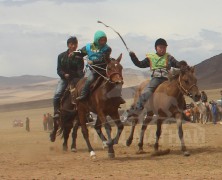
(55, 129)
(180, 133)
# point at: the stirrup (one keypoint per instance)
(56, 116)
(81, 98)
(122, 101)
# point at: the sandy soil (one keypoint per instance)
(30, 155)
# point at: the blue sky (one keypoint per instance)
(34, 32)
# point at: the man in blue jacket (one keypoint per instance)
(97, 52)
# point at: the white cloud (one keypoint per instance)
(25, 2)
(34, 32)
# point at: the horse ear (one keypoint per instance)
(120, 57)
(192, 69)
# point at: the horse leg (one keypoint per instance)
(143, 129)
(74, 135)
(66, 132)
(111, 153)
(130, 138)
(102, 117)
(54, 131)
(85, 132)
(158, 133)
(98, 128)
(119, 124)
(180, 133)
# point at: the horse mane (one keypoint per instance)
(174, 74)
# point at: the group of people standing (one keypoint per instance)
(47, 122)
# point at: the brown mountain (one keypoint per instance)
(209, 73)
(25, 80)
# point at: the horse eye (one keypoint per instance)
(186, 81)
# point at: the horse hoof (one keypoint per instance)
(73, 150)
(186, 153)
(52, 138)
(111, 155)
(161, 152)
(65, 148)
(93, 155)
(105, 145)
(140, 151)
(128, 142)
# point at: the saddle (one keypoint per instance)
(93, 87)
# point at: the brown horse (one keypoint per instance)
(67, 116)
(69, 120)
(104, 101)
(168, 102)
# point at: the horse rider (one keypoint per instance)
(97, 52)
(70, 68)
(160, 64)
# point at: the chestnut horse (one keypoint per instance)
(168, 102)
(104, 100)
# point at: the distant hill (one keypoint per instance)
(29, 88)
(209, 73)
(131, 78)
(25, 80)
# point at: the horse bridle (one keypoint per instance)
(185, 91)
(108, 75)
(113, 73)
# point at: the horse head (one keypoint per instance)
(114, 70)
(188, 82)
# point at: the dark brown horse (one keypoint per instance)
(67, 115)
(104, 100)
(168, 102)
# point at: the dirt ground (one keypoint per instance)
(30, 155)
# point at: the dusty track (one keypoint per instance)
(26, 155)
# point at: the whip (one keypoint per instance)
(116, 33)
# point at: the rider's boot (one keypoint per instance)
(84, 92)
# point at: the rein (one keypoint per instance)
(91, 66)
(106, 78)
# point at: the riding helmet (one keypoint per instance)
(160, 41)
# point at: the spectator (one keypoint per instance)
(203, 97)
(50, 122)
(45, 122)
(214, 111)
(27, 124)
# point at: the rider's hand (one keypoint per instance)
(132, 54)
(89, 62)
(67, 76)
